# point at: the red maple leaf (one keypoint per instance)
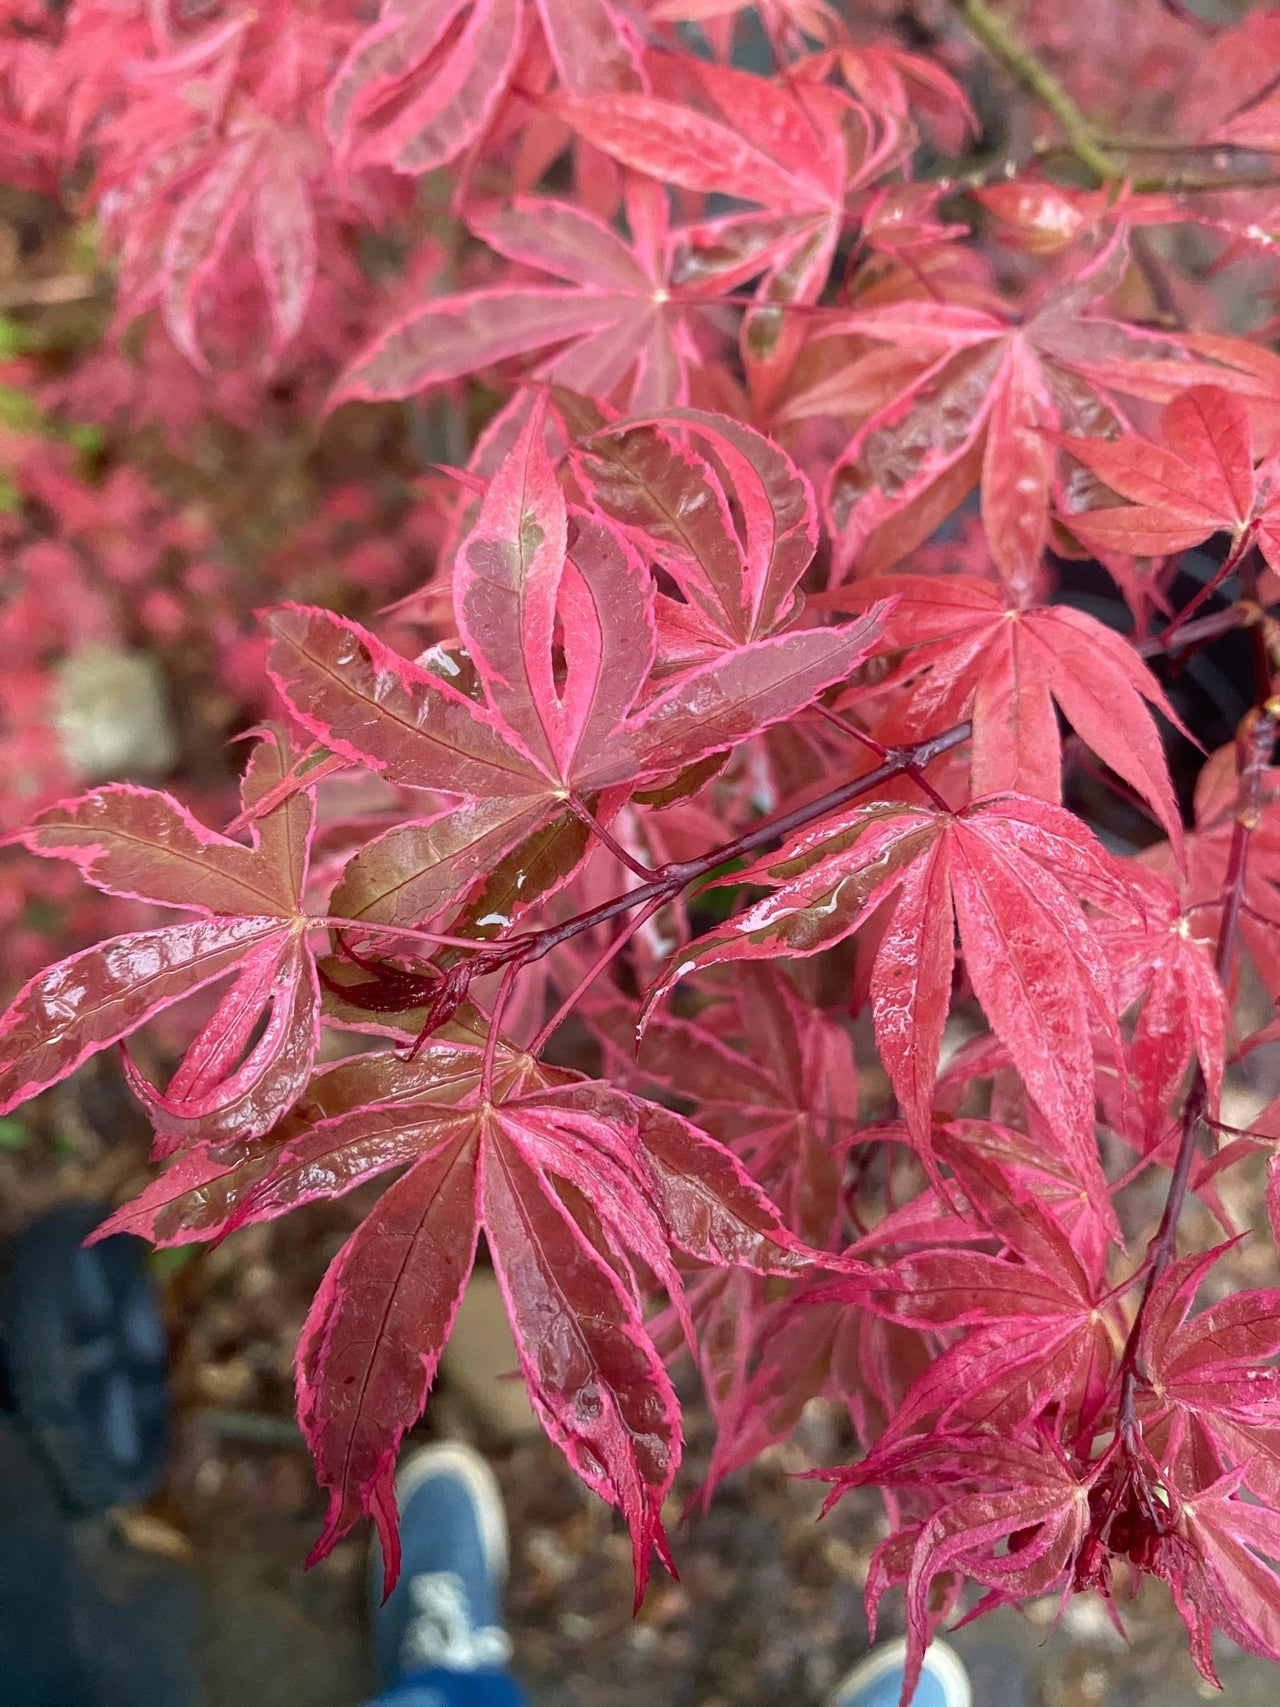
(797, 150)
(141, 844)
(423, 81)
(1038, 1334)
(1213, 1375)
(1208, 861)
(1199, 482)
(725, 513)
(1008, 871)
(623, 325)
(1007, 1513)
(581, 1191)
(972, 652)
(1158, 957)
(985, 398)
(212, 167)
(536, 588)
(772, 1078)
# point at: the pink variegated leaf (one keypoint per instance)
(520, 572)
(216, 1093)
(796, 149)
(592, 1372)
(95, 998)
(593, 43)
(675, 502)
(419, 85)
(453, 336)
(581, 734)
(140, 843)
(415, 870)
(623, 324)
(376, 708)
(357, 1119)
(284, 244)
(586, 1138)
(375, 1331)
(1201, 481)
(917, 451)
(719, 703)
(198, 238)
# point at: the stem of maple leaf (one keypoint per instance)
(1234, 558)
(1189, 635)
(881, 752)
(581, 810)
(1152, 267)
(619, 942)
(437, 939)
(1255, 741)
(1257, 636)
(495, 1029)
(995, 35)
(510, 955)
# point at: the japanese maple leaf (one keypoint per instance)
(794, 1350)
(774, 1079)
(893, 83)
(140, 843)
(1007, 1513)
(213, 163)
(1177, 1519)
(535, 585)
(1221, 1570)
(726, 514)
(984, 399)
(581, 1192)
(1011, 872)
(797, 151)
(621, 326)
(1233, 98)
(423, 81)
(1157, 957)
(1037, 1333)
(1199, 482)
(969, 652)
(1214, 1374)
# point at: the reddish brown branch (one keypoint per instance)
(508, 955)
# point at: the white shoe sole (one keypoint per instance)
(941, 1660)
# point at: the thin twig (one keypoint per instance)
(619, 942)
(581, 810)
(510, 955)
(882, 752)
(1187, 636)
(1239, 551)
(995, 35)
